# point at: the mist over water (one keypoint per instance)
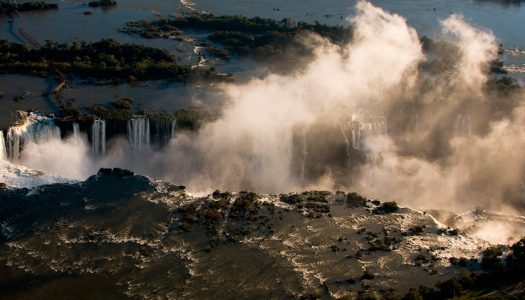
(444, 145)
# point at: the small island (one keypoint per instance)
(264, 40)
(105, 60)
(102, 3)
(9, 7)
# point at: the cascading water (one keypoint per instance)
(3, 150)
(462, 125)
(37, 128)
(348, 147)
(98, 138)
(14, 141)
(76, 131)
(305, 154)
(173, 126)
(416, 125)
(523, 191)
(363, 126)
(356, 138)
(139, 134)
(368, 156)
(164, 130)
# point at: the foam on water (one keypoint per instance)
(36, 128)
(3, 150)
(16, 176)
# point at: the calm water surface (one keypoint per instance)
(68, 23)
(505, 21)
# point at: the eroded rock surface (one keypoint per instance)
(118, 234)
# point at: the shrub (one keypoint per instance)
(386, 208)
(102, 3)
(354, 200)
(491, 259)
(123, 103)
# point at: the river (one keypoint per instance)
(68, 24)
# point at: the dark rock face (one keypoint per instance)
(120, 235)
(117, 172)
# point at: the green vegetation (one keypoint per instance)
(443, 56)
(491, 261)
(496, 67)
(121, 109)
(504, 86)
(243, 213)
(194, 118)
(504, 95)
(259, 38)
(105, 60)
(386, 208)
(103, 112)
(123, 103)
(354, 200)
(312, 204)
(498, 276)
(102, 3)
(7, 7)
(239, 25)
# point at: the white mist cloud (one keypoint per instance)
(477, 49)
(252, 145)
(384, 52)
(70, 158)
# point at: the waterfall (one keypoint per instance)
(173, 126)
(462, 125)
(363, 126)
(356, 138)
(383, 126)
(139, 133)
(348, 147)
(36, 128)
(368, 156)
(164, 130)
(3, 150)
(416, 126)
(14, 141)
(305, 154)
(522, 191)
(76, 131)
(98, 138)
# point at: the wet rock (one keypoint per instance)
(117, 172)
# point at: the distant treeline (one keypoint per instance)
(107, 60)
(505, 2)
(9, 8)
(102, 3)
(257, 37)
(254, 26)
